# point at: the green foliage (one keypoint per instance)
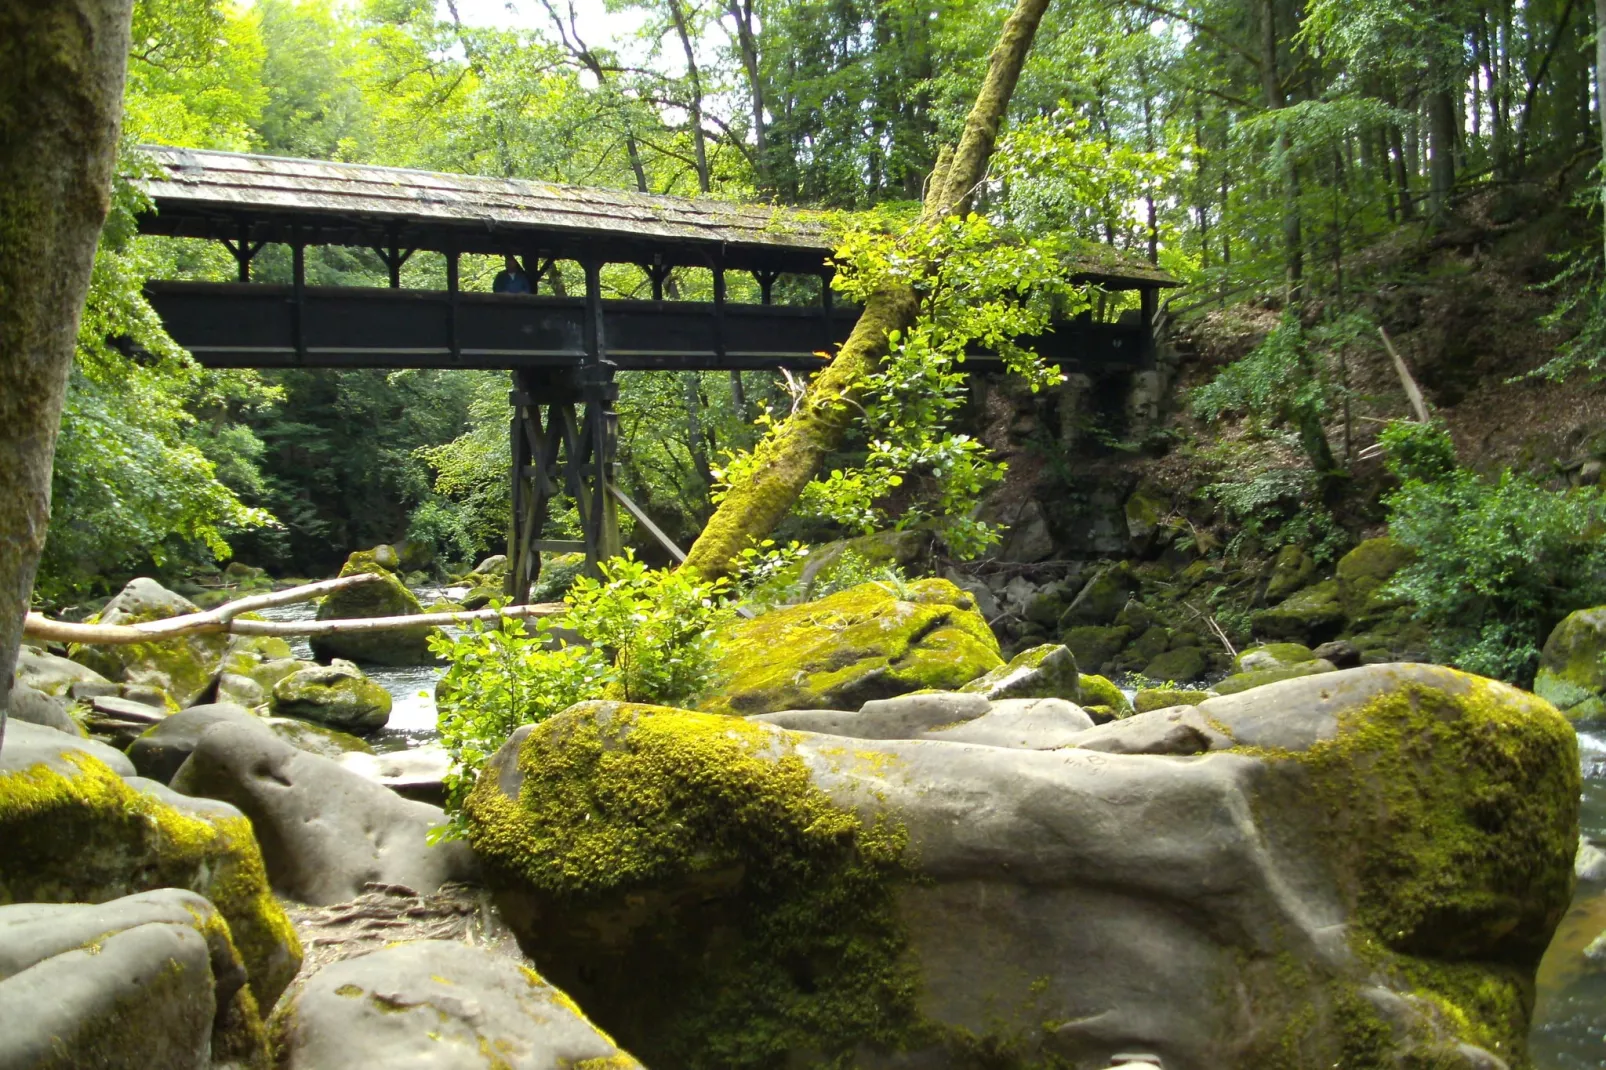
(656, 624)
(501, 676)
(982, 288)
(1499, 561)
(1278, 507)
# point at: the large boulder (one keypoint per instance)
(1364, 573)
(868, 642)
(36, 707)
(161, 750)
(1243, 681)
(74, 830)
(148, 980)
(1047, 671)
(1359, 869)
(434, 1004)
(55, 676)
(1572, 666)
(337, 695)
(385, 597)
(184, 667)
(1311, 616)
(1101, 598)
(251, 667)
(325, 831)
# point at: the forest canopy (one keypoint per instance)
(1249, 147)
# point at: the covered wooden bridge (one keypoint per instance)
(563, 350)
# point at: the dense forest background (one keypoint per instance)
(1310, 170)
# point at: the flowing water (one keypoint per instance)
(1569, 1031)
(411, 687)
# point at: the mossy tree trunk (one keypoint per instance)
(61, 91)
(790, 458)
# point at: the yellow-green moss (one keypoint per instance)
(1099, 691)
(1450, 819)
(696, 892)
(89, 837)
(868, 642)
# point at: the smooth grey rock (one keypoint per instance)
(1077, 904)
(325, 831)
(27, 745)
(184, 666)
(903, 717)
(84, 690)
(436, 1005)
(126, 709)
(36, 707)
(1176, 730)
(416, 773)
(162, 749)
(1026, 723)
(139, 982)
(54, 675)
(337, 695)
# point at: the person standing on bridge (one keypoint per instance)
(511, 279)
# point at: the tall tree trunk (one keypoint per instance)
(1272, 83)
(695, 111)
(1441, 151)
(61, 91)
(741, 13)
(788, 460)
(1600, 90)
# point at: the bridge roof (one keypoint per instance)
(201, 193)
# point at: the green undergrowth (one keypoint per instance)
(683, 878)
(1451, 822)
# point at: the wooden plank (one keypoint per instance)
(646, 521)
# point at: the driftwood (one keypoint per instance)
(226, 619)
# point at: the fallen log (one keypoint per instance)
(226, 619)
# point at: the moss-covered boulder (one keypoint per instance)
(183, 667)
(1102, 700)
(1363, 871)
(1101, 598)
(868, 642)
(1095, 646)
(1162, 698)
(1362, 574)
(1311, 616)
(387, 597)
(1243, 681)
(1181, 665)
(72, 830)
(250, 669)
(1271, 656)
(1293, 569)
(337, 695)
(1572, 666)
(55, 676)
(1047, 671)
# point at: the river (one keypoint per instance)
(1569, 1031)
(411, 687)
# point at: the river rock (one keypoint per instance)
(904, 717)
(1272, 656)
(184, 667)
(1102, 700)
(1364, 573)
(416, 773)
(386, 597)
(52, 675)
(1362, 869)
(1029, 723)
(1293, 568)
(867, 642)
(437, 1004)
(36, 707)
(1313, 615)
(325, 831)
(1047, 671)
(162, 748)
(252, 666)
(1243, 681)
(73, 829)
(1160, 698)
(144, 981)
(1572, 672)
(337, 695)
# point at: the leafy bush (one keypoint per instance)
(657, 624)
(649, 637)
(1499, 561)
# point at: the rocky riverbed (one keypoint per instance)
(878, 843)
